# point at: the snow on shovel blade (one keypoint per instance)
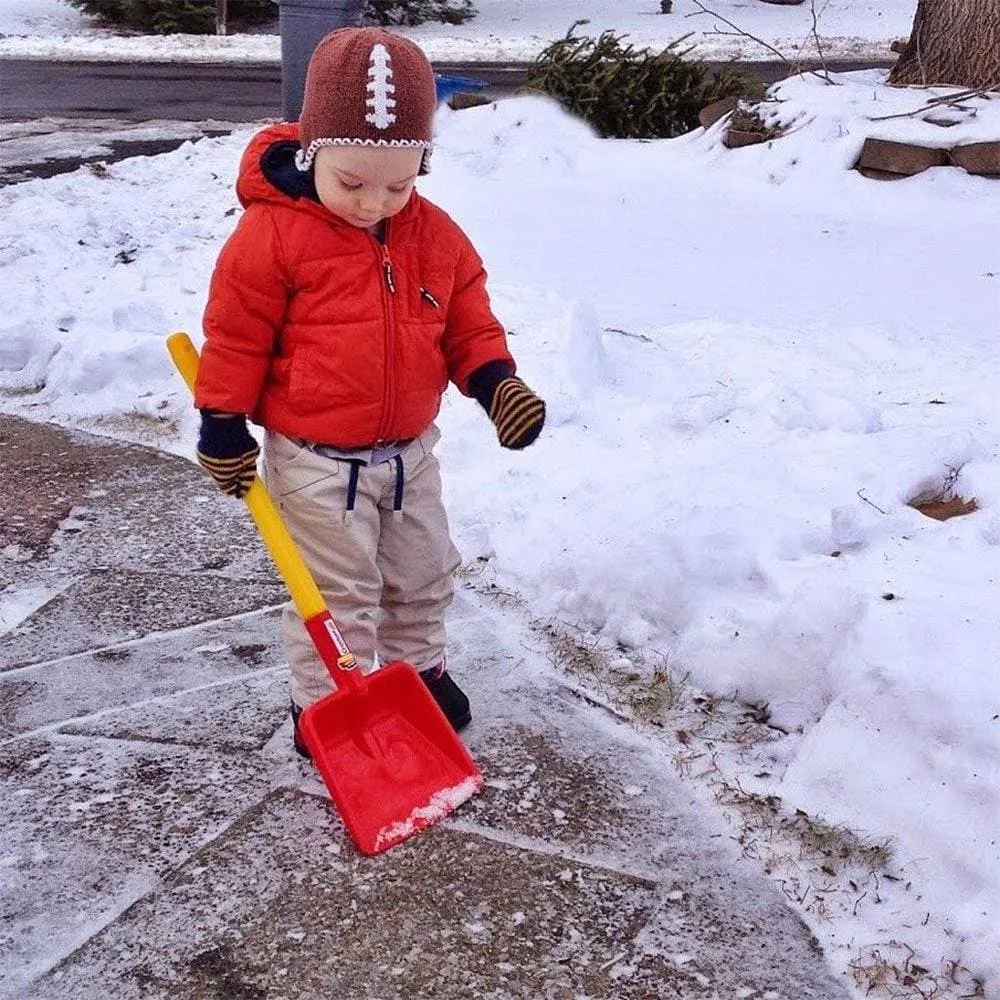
(390, 759)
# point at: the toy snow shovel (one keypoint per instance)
(390, 759)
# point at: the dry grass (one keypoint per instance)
(135, 424)
(889, 971)
(647, 690)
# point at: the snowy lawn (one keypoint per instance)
(753, 360)
(515, 30)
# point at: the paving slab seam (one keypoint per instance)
(550, 849)
(138, 741)
(142, 640)
(52, 728)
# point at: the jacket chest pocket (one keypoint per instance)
(429, 295)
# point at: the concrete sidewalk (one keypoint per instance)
(161, 839)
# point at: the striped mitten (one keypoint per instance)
(517, 413)
(228, 452)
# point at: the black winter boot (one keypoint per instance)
(300, 747)
(449, 696)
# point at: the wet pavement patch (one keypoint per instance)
(243, 714)
(131, 687)
(105, 609)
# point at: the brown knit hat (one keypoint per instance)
(366, 87)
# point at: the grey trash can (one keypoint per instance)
(302, 24)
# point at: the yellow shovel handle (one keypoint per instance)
(293, 570)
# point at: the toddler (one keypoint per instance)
(339, 310)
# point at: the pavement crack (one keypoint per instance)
(134, 893)
(143, 640)
(139, 887)
(52, 728)
(137, 739)
(550, 848)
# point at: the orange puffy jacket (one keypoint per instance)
(316, 330)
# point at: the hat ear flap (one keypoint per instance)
(425, 162)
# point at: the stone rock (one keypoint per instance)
(977, 158)
(735, 138)
(462, 99)
(881, 157)
(711, 113)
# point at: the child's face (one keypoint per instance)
(365, 184)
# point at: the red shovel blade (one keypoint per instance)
(390, 759)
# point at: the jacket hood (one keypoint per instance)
(263, 175)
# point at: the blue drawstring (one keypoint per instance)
(352, 486)
(397, 500)
(352, 482)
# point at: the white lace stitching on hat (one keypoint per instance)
(304, 157)
(380, 88)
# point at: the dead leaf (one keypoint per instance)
(942, 510)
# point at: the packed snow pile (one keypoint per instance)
(754, 361)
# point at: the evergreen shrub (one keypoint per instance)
(163, 17)
(630, 93)
(389, 12)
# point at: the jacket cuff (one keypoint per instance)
(484, 380)
(223, 436)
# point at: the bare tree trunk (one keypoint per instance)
(221, 17)
(954, 42)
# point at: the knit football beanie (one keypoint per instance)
(366, 87)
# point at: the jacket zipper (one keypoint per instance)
(387, 270)
(388, 291)
(427, 297)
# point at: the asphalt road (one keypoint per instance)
(57, 116)
(138, 91)
(193, 92)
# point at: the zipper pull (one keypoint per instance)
(427, 297)
(387, 270)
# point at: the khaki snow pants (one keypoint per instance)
(386, 576)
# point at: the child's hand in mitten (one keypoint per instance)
(517, 413)
(228, 452)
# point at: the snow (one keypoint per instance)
(506, 30)
(74, 139)
(442, 802)
(38, 18)
(18, 604)
(753, 360)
